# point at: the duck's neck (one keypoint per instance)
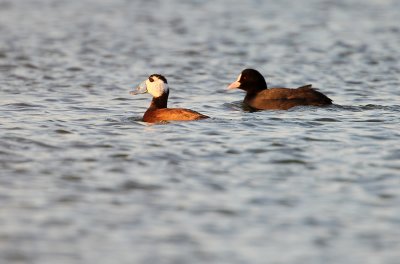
(251, 93)
(159, 102)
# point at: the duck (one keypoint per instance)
(157, 86)
(260, 97)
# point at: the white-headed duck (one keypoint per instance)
(259, 97)
(157, 86)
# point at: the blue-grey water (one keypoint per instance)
(83, 180)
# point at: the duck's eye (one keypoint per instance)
(151, 79)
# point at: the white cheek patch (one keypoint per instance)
(156, 88)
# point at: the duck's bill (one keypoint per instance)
(140, 89)
(234, 85)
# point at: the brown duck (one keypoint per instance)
(259, 97)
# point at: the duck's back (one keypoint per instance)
(285, 98)
(171, 114)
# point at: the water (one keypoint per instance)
(83, 180)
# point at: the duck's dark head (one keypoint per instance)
(249, 80)
(156, 85)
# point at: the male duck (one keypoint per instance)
(157, 86)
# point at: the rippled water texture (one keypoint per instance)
(83, 180)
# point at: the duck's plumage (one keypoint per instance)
(259, 97)
(171, 114)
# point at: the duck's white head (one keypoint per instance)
(156, 85)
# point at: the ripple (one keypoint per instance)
(327, 119)
(71, 178)
(74, 69)
(13, 159)
(7, 67)
(16, 256)
(119, 155)
(134, 119)
(87, 85)
(122, 99)
(22, 106)
(367, 107)
(346, 107)
(354, 82)
(233, 106)
(62, 131)
(371, 120)
(257, 150)
(67, 199)
(380, 107)
(131, 185)
(289, 161)
(30, 66)
(226, 212)
(90, 109)
(86, 145)
(308, 138)
(30, 142)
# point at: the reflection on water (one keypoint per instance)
(84, 180)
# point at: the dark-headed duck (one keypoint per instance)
(157, 86)
(259, 97)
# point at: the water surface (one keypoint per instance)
(83, 180)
